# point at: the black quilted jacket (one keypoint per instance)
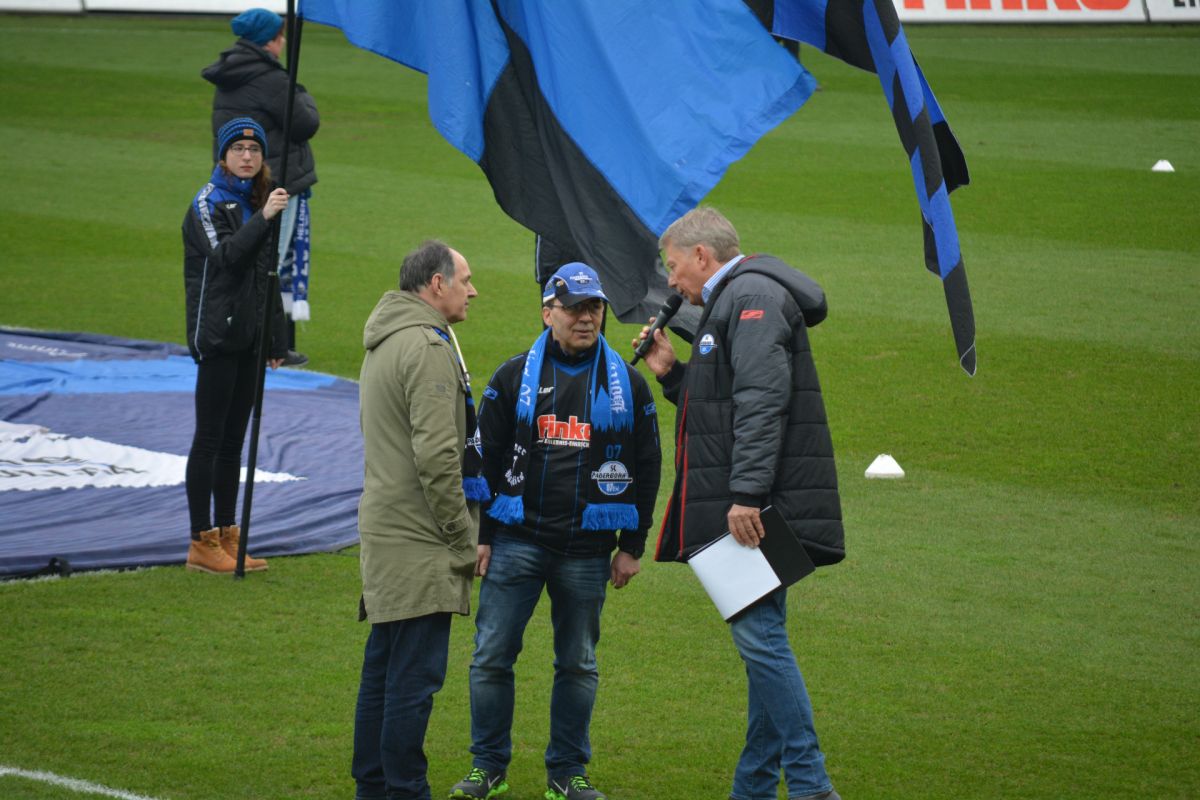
(750, 421)
(251, 82)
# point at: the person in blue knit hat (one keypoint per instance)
(259, 26)
(251, 81)
(227, 260)
(569, 433)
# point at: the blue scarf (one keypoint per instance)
(224, 187)
(611, 436)
(293, 265)
(475, 486)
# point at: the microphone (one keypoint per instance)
(660, 321)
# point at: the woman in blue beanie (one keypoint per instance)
(250, 81)
(227, 259)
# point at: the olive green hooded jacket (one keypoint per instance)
(417, 529)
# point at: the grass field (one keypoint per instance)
(1017, 618)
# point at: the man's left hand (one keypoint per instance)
(624, 567)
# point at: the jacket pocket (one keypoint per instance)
(241, 318)
(462, 556)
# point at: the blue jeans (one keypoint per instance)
(507, 597)
(779, 731)
(404, 664)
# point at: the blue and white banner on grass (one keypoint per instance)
(94, 436)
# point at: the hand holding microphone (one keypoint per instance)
(646, 343)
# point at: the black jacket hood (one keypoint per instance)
(239, 65)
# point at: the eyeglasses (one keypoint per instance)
(252, 149)
(593, 308)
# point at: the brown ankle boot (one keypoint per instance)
(206, 554)
(229, 543)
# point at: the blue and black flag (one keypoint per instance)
(867, 34)
(597, 124)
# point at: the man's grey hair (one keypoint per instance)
(430, 258)
(703, 225)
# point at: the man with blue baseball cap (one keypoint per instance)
(569, 434)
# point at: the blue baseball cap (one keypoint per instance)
(573, 283)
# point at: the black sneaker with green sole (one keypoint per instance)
(480, 784)
(573, 787)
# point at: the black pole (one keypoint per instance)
(264, 337)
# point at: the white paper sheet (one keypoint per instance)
(733, 575)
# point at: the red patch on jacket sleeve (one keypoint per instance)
(752, 313)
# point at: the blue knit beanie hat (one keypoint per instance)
(237, 129)
(258, 25)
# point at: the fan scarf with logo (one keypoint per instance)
(611, 424)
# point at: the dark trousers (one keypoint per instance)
(224, 400)
(404, 665)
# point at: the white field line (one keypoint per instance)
(73, 784)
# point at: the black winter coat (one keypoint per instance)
(252, 83)
(226, 285)
(750, 425)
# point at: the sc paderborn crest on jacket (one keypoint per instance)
(612, 478)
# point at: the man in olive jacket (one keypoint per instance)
(417, 527)
(751, 432)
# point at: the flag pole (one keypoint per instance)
(294, 25)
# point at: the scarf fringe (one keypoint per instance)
(507, 508)
(610, 517)
(476, 489)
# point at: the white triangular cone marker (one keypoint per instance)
(884, 466)
(1162, 165)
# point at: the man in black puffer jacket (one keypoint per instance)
(751, 432)
(250, 81)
